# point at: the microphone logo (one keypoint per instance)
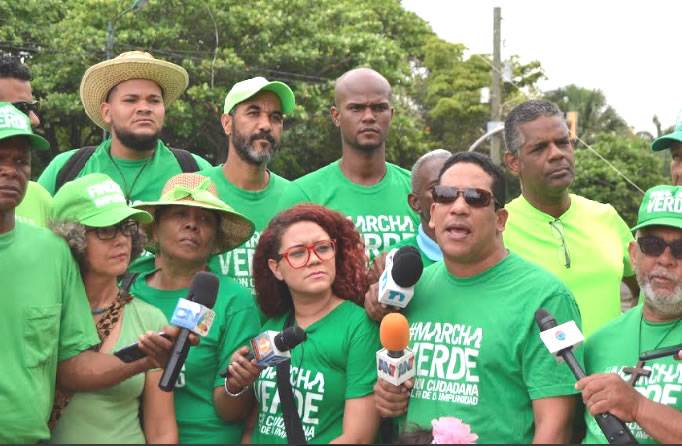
(560, 335)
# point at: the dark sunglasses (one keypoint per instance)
(655, 246)
(475, 197)
(127, 228)
(26, 107)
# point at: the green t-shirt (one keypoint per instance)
(257, 206)
(88, 416)
(36, 206)
(236, 322)
(380, 212)
(596, 239)
(478, 352)
(337, 362)
(140, 180)
(617, 345)
(45, 319)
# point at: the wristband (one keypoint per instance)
(227, 391)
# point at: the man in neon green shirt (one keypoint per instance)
(253, 119)
(581, 241)
(362, 185)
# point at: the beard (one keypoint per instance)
(139, 143)
(248, 153)
(665, 304)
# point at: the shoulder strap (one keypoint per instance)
(127, 281)
(185, 160)
(292, 420)
(73, 166)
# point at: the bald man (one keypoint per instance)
(361, 184)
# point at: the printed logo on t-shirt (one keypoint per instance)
(237, 263)
(380, 232)
(308, 388)
(446, 361)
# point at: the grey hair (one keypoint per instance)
(74, 235)
(436, 153)
(524, 113)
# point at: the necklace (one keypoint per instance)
(127, 192)
(639, 371)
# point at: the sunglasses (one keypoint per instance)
(127, 228)
(655, 246)
(26, 107)
(299, 255)
(475, 197)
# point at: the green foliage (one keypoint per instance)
(630, 155)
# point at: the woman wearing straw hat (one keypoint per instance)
(310, 269)
(90, 213)
(191, 224)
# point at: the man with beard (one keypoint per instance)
(583, 242)
(653, 406)
(128, 96)
(253, 119)
(15, 87)
(362, 184)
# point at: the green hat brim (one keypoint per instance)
(286, 96)
(674, 222)
(666, 141)
(35, 141)
(235, 229)
(114, 216)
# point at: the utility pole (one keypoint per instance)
(496, 90)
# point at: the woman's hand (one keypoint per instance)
(242, 372)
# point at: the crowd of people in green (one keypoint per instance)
(95, 255)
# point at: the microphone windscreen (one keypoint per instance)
(394, 332)
(407, 266)
(544, 319)
(204, 289)
(289, 338)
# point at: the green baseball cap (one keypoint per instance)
(16, 123)
(94, 200)
(666, 141)
(243, 90)
(662, 205)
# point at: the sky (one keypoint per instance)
(629, 50)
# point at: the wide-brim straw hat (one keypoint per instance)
(99, 79)
(191, 189)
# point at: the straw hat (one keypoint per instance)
(99, 79)
(191, 189)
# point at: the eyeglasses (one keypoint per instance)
(26, 107)
(127, 228)
(655, 246)
(558, 231)
(299, 255)
(475, 197)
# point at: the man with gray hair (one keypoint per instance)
(583, 242)
(651, 399)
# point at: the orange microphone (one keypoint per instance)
(395, 362)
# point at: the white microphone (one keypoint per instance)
(403, 268)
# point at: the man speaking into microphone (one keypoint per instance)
(477, 353)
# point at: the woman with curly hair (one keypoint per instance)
(91, 214)
(310, 269)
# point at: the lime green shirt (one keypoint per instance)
(337, 362)
(45, 319)
(596, 243)
(478, 353)
(36, 206)
(380, 212)
(257, 206)
(617, 345)
(236, 322)
(111, 415)
(140, 180)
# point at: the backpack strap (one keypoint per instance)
(185, 159)
(73, 166)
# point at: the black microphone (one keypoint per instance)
(203, 290)
(614, 429)
(271, 348)
(658, 353)
(403, 268)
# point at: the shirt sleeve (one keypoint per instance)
(203, 164)
(77, 330)
(543, 375)
(48, 178)
(292, 195)
(361, 370)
